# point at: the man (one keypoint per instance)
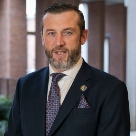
(92, 103)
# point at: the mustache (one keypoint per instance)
(60, 48)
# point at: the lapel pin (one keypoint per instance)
(83, 88)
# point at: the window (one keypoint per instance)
(30, 17)
(106, 55)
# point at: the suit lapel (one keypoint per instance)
(73, 96)
(41, 87)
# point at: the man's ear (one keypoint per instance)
(84, 36)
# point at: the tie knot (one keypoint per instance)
(56, 77)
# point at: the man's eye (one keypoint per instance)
(67, 33)
(51, 33)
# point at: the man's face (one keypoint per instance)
(62, 39)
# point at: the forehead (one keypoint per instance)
(64, 18)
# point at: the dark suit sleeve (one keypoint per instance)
(114, 117)
(14, 123)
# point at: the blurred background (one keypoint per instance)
(111, 44)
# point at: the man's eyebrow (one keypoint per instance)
(69, 29)
(49, 30)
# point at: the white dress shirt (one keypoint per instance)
(66, 82)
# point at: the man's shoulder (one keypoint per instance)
(105, 80)
(97, 74)
(100, 75)
(35, 74)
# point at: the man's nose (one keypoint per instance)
(59, 40)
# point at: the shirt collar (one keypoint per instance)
(70, 72)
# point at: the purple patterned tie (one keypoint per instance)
(53, 103)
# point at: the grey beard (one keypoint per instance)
(74, 56)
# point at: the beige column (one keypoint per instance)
(131, 60)
(96, 34)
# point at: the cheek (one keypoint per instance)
(73, 43)
(48, 44)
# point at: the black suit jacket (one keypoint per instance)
(107, 96)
